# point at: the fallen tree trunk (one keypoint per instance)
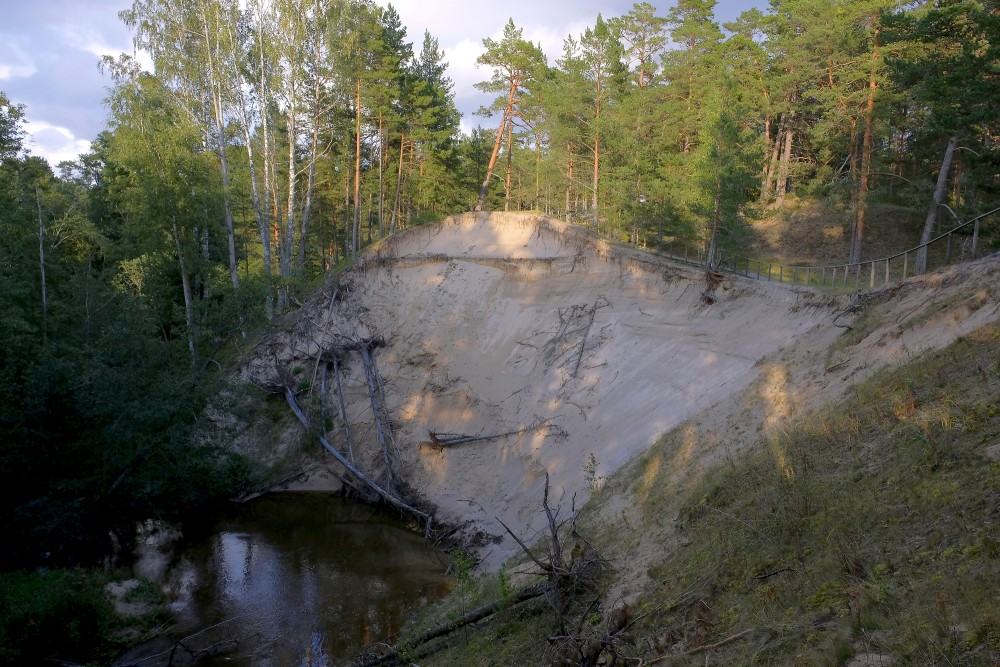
(343, 408)
(383, 429)
(451, 439)
(474, 616)
(385, 495)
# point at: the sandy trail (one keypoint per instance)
(500, 323)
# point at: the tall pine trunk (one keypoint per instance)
(784, 167)
(399, 184)
(764, 172)
(538, 171)
(357, 171)
(769, 188)
(510, 161)
(861, 203)
(713, 240)
(939, 194)
(381, 172)
(569, 180)
(484, 188)
(597, 156)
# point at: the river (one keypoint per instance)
(292, 579)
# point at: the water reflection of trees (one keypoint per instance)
(292, 566)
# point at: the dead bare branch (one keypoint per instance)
(547, 567)
(385, 495)
(700, 649)
(439, 439)
(474, 616)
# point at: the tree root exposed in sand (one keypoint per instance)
(440, 440)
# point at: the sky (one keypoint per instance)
(50, 50)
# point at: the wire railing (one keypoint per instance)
(960, 244)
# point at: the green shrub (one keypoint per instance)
(55, 614)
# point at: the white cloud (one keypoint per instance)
(8, 71)
(95, 43)
(462, 67)
(460, 29)
(54, 143)
(100, 50)
(86, 40)
(551, 38)
(14, 62)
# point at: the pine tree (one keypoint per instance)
(947, 63)
(516, 64)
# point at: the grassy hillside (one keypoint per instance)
(875, 530)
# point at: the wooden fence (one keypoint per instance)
(959, 244)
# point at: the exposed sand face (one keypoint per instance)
(514, 324)
(496, 323)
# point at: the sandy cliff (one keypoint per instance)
(578, 355)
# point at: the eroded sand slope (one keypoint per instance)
(496, 324)
(579, 351)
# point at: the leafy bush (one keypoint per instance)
(55, 614)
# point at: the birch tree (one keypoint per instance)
(163, 186)
(185, 41)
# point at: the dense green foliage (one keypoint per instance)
(311, 129)
(60, 614)
(100, 394)
(101, 398)
(841, 101)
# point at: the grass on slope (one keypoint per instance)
(878, 532)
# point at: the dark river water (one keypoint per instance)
(297, 579)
